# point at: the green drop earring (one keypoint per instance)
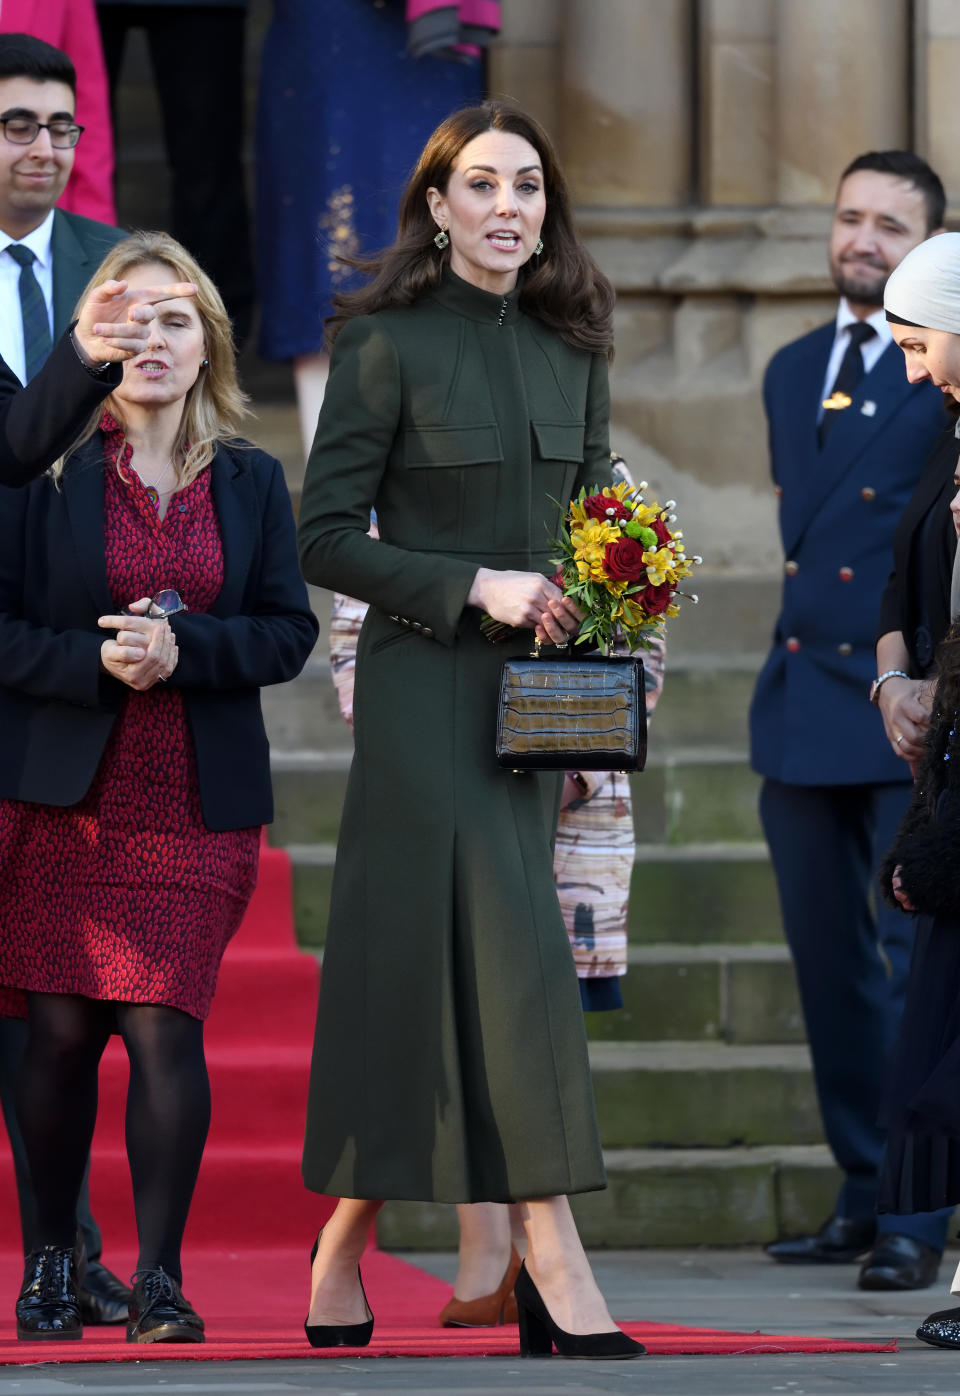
(442, 239)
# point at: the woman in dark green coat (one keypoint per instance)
(467, 393)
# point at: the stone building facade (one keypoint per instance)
(703, 140)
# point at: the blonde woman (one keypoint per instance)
(148, 588)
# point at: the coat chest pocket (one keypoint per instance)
(452, 446)
(559, 440)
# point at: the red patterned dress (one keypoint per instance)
(128, 895)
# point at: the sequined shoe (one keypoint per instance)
(48, 1306)
(159, 1313)
(942, 1329)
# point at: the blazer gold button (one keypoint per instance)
(868, 493)
(846, 574)
(845, 649)
(793, 644)
(791, 568)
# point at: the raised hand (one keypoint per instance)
(114, 322)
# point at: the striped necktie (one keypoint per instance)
(33, 310)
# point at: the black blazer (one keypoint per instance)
(918, 588)
(39, 421)
(57, 707)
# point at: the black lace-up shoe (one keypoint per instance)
(48, 1306)
(159, 1313)
(103, 1297)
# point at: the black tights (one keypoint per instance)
(168, 1113)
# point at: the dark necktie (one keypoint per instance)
(33, 310)
(850, 372)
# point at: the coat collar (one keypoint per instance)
(880, 394)
(473, 304)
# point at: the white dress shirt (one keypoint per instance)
(11, 322)
(871, 349)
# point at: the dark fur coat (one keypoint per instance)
(927, 846)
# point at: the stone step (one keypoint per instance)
(744, 994)
(694, 893)
(668, 1197)
(693, 796)
(700, 708)
(703, 1095)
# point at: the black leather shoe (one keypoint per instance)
(103, 1298)
(899, 1262)
(159, 1313)
(839, 1241)
(48, 1306)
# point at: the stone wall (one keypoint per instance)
(703, 140)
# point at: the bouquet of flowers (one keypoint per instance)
(622, 562)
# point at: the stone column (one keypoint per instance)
(627, 108)
(525, 60)
(936, 85)
(842, 82)
(738, 60)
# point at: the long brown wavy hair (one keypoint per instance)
(564, 287)
(215, 405)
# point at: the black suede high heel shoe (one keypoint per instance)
(539, 1335)
(339, 1335)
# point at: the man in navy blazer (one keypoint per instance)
(848, 439)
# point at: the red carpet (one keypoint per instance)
(252, 1223)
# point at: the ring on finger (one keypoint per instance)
(899, 739)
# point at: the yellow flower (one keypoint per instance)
(632, 616)
(589, 540)
(660, 567)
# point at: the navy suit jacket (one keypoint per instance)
(810, 721)
(38, 422)
(77, 247)
(57, 707)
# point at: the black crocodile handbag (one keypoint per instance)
(586, 713)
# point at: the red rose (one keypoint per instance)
(655, 600)
(661, 530)
(623, 560)
(558, 579)
(599, 506)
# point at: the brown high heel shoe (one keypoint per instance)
(489, 1311)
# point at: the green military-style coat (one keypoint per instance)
(450, 1060)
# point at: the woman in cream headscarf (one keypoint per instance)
(921, 873)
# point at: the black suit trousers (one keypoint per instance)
(852, 958)
(197, 56)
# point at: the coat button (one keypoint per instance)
(845, 649)
(793, 644)
(845, 574)
(791, 568)
(428, 632)
(868, 493)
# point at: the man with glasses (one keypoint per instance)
(46, 259)
(47, 256)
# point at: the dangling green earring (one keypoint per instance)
(442, 239)
(539, 247)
